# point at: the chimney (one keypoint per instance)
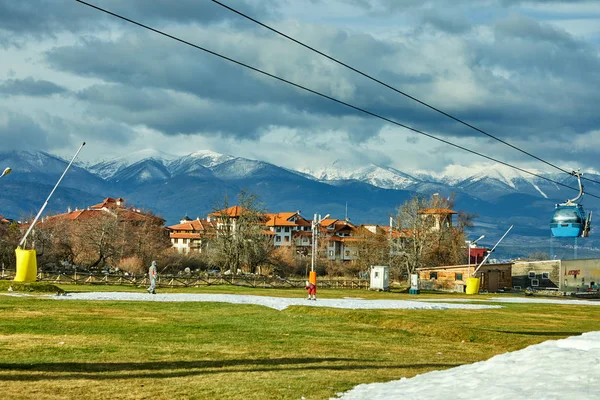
(69, 210)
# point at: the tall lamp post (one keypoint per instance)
(6, 172)
(469, 243)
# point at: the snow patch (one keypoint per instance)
(555, 369)
(278, 303)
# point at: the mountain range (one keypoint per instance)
(196, 184)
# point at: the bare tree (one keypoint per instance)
(98, 241)
(373, 249)
(242, 238)
(429, 239)
(10, 235)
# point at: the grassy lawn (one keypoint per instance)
(76, 349)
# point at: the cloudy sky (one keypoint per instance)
(527, 72)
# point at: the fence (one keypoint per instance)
(255, 281)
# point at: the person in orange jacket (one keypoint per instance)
(312, 290)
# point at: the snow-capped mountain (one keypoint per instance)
(109, 168)
(481, 181)
(147, 170)
(383, 177)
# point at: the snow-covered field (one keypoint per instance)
(555, 369)
(278, 303)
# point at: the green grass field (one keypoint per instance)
(81, 349)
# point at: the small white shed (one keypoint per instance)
(380, 277)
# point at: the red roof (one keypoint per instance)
(197, 225)
(109, 202)
(234, 211)
(109, 206)
(184, 235)
(443, 211)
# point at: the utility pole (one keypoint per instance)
(314, 241)
(316, 224)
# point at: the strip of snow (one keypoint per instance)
(555, 369)
(535, 300)
(278, 303)
(539, 190)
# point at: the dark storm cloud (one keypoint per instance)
(30, 87)
(17, 129)
(49, 17)
(546, 85)
(140, 62)
(180, 113)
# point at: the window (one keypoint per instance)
(175, 241)
(330, 253)
(278, 229)
(347, 253)
(184, 241)
(287, 228)
(535, 282)
(376, 274)
(545, 275)
(458, 277)
(433, 275)
(286, 239)
(531, 274)
(278, 238)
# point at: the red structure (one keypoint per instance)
(477, 254)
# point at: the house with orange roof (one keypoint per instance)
(192, 235)
(290, 228)
(109, 206)
(339, 236)
(226, 217)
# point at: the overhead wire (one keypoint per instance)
(321, 94)
(461, 121)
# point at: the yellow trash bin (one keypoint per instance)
(312, 277)
(26, 265)
(472, 285)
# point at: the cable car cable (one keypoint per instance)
(394, 89)
(323, 95)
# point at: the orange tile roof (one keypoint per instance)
(328, 221)
(436, 211)
(234, 211)
(184, 235)
(123, 214)
(280, 219)
(195, 225)
(109, 202)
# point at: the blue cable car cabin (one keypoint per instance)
(568, 221)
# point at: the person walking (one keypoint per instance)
(312, 290)
(152, 274)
